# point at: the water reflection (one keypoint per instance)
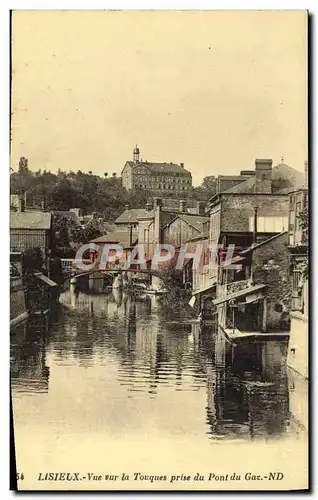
(248, 395)
(28, 369)
(140, 368)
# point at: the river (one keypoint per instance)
(105, 373)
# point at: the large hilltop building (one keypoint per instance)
(159, 177)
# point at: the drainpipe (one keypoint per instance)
(130, 234)
(255, 226)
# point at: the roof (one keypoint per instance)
(120, 237)
(242, 177)
(161, 168)
(239, 293)
(132, 215)
(67, 214)
(200, 236)
(45, 279)
(264, 242)
(205, 289)
(30, 220)
(279, 172)
(243, 187)
(196, 221)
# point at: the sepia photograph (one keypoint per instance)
(159, 281)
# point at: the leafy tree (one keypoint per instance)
(32, 260)
(23, 165)
(89, 192)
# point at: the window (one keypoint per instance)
(291, 220)
(298, 210)
(278, 307)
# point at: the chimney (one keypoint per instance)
(200, 208)
(157, 236)
(263, 176)
(130, 228)
(21, 205)
(157, 202)
(126, 207)
(182, 165)
(255, 226)
(182, 205)
(306, 174)
(148, 206)
(247, 172)
(43, 206)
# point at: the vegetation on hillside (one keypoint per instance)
(102, 194)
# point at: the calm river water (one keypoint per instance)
(107, 371)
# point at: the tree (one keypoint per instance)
(209, 184)
(114, 174)
(105, 174)
(32, 260)
(176, 295)
(23, 165)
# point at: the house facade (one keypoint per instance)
(298, 250)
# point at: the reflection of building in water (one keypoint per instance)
(248, 395)
(28, 369)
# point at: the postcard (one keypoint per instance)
(159, 250)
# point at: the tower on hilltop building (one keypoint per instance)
(136, 154)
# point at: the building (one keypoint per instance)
(265, 178)
(259, 289)
(182, 228)
(298, 248)
(241, 217)
(125, 239)
(131, 216)
(159, 177)
(30, 230)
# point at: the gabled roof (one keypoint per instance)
(132, 215)
(279, 172)
(67, 214)
(200, 236)
(262, 243)
(246, 186)
(195, 221)
(121, 238)
(160, 168)
(30, 220)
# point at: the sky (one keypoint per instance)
(211, 89)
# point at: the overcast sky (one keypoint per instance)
(214, 90)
